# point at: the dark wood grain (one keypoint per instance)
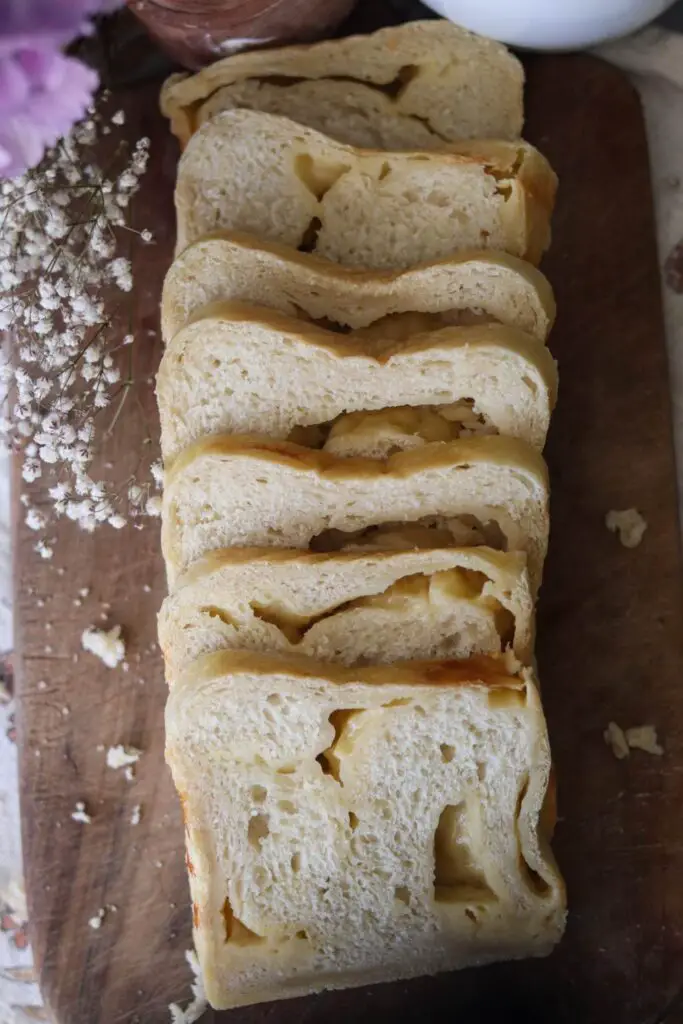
(610, 647)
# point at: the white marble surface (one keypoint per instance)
(655, 60)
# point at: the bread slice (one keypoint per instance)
(242, 491)
(234, 266)
(472, 285)
(255, 172)
(351, 826)
(241, 369)
(361, 608)
(413, 86)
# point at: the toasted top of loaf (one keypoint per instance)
(346, 826)
(414, 85)
(234, 266)
(267, 175)
(237, 490)
(239, 369)
(365, 607)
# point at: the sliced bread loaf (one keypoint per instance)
(282, 182)
(359, 608)
(242, 491)
(240, 369)
(350, 826)
(233, 266)
(412, 86)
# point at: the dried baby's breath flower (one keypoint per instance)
(61, 234)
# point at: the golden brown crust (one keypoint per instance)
(510, 562)
(501, 450)
(482, 670)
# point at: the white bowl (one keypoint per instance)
(551, 24)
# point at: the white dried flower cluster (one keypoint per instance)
(59, 236)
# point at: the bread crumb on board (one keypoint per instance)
(106, 645)
(640, 737)
(628, 523)
(96, 921)
(80, 814)
(135, 815)
(199, 1005)
(644, 737)
(122, 757)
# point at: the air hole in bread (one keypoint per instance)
(353, 821)
(379, 433)
(237, 932)
(309, 239)
(385, 171)
(302, 934)
(398, 702)
(213, 612)
(455, 868)
(393, 89)
(470, 913)
(426, 532)
(317, 175)
(535, 882)
(329, 759)
(447, 752)
(258, 830)
(402, 894)
(287, 806)
(295, 863)
(258, 794)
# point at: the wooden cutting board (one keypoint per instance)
(610, 647)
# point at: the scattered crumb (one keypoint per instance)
(640, 737)
(96, 921)
(81, 815)
(100, 747)
(146, 588)
(61, 570)
(43, 549)
(66, 712)
(48, 649)
(77, 602)
(199, 1005)
(122, 757)
(615, 738)
(135, 815)
(84, 591)
(48, 626)
(106, 645)
(158, 864)
(644, 737)
(630, 525)
(40, 603)
(125, 666)
(129, 773)
(42, 685)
